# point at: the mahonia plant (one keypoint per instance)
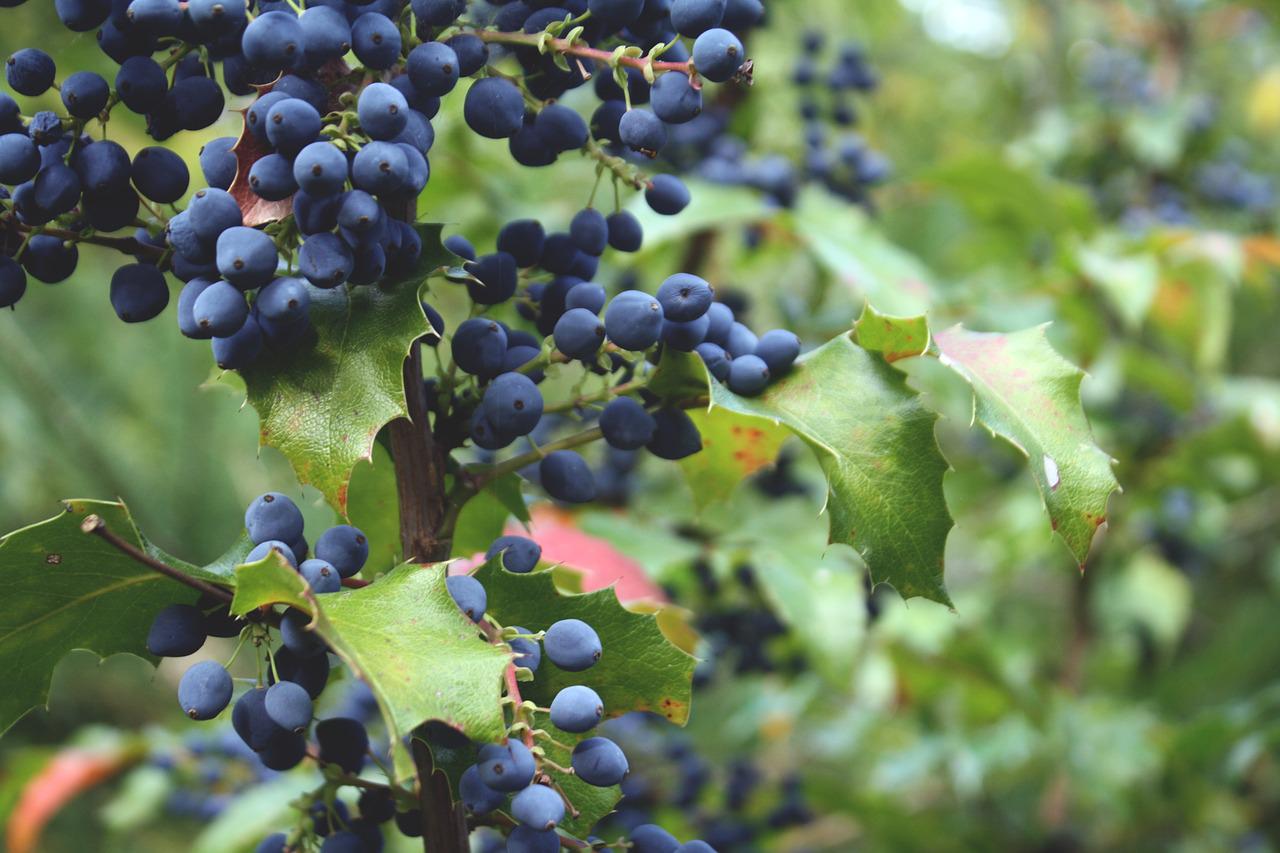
(471, 696)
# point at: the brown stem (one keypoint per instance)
(602, 57)
(420, 466)
(127, 245)
(425, 537)
(95, 525)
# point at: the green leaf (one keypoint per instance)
(374, 506)
(404, 637)
(734, 447)
(65, 589)
(484, 517)
(255, 813)
(874, 439)
(639, 669)
(850, 247)
(322, 407)
(1029, 395)
(1128, 281)
(894, 338)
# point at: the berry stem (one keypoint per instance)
(127, 245)
(515, 463)
(94, 525)
(564, 46)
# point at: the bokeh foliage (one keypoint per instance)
(1053, 173)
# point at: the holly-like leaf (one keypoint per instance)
(1029, 395)
(639, 669)
(404, 637)
(874, 439)
(322, 407)
(65, 589)
(734, 447)
(894, 338)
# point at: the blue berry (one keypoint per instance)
(375, 39)
(512, 404)
(667, 195)
(141, 84)
(626, 424)
(379, 167)
(343, 741)
(291, 125)
(506, 766)
(271, 178)
(433, 68)
(320, 169)
(262, 549)
(717, 54)
(326, 34)
(478, 797)
(246, 257)
(204, 690)
(633, 320)
(273, 40)
(577, 709)
(160, 174)
(566, 476)
(693, 17)
(176, 631)
(138, 292)
(598, 761)
(273, 516)
(674, 99)
(590, 231)
(241, 349)
(345, 547)
(685, 297)
(84, 94)
(675, 435)
(219, 311)
(519, 553)
(288, 705)
(538, 807)
(778, 348)
(321, 576)
(284, 300)
(579, 334)
(13, 281)
(625, 232)
(479, 347)
(640, 130)
(572, 645)
(523, 239)
(468, 593)
(382, 110)
(494, 108)
(30, 71)
(19, 158)
(526, 839)
(748, 375)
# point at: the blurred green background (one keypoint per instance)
(1107, 167)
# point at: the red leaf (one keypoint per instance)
(254, 209)
(67, 774)
(600, 563)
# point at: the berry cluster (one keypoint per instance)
(607, 335)
(272, 718)
(269, 719)
(331, 157)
